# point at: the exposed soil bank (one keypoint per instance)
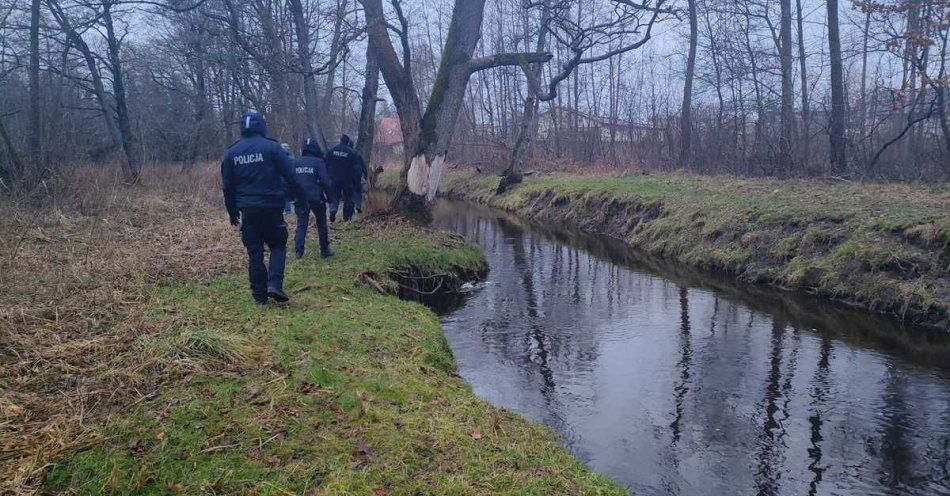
(884, 247)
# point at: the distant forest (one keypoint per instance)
(785, 88)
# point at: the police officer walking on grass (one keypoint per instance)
(345, 166)
(312, 174)
(254, 174)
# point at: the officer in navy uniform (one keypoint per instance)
(313, 178)
(254, 174)
(344, 164)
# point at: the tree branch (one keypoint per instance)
(507, 59)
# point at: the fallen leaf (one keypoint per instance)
(178, 488)
(476, 435)
(273, 460)
(378, 491)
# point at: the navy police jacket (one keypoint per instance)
(344, 163)
(312, 174)
(256, 171)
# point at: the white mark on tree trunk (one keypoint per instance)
(435, 171)
(418, 177)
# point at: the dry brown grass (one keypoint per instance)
(77, 261)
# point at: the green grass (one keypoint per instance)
(882, 246)
(344, 391)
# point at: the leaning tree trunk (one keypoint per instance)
(132, 166)
(514, 174)
(528, 129)
(366, 135)
(98, 88)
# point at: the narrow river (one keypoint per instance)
(672, 382)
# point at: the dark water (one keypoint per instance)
(675, 383)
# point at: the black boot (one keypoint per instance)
(327, 254)
(278, 295)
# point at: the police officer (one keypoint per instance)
(254, 173)
(343, 165)
(313, 178)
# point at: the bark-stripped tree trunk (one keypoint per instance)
(426, 136)
(366, 134)
(839, 153)
(686, 115)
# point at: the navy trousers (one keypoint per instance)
(260, 226)
(343, 191)
(303, 221)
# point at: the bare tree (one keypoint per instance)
(839, 153)
(785, 56)
(427, 135)
(629, 27)
(686, 115)
(36, 129)
(366, 135)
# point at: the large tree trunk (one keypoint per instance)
(427, 154)
(335, 47)
(366, 134)
(132, 165)
(36, 128)
(201, 92)
(863, 106)
(686, 115)
(803, 63)
(785, 47)
(309, 79)
(839, 153)
(426, 137)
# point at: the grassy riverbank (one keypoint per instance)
(188, 388)
(885, 247)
